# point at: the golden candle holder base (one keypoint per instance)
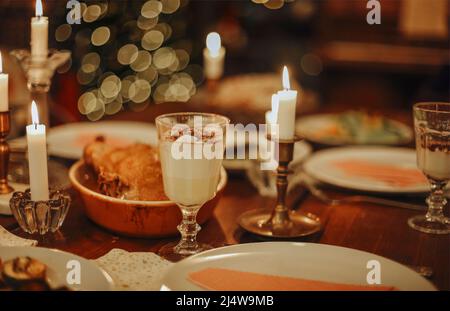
(4, 152)
(280, 222)
(298, 225)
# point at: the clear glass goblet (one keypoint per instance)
(432, 127)
(191, 148)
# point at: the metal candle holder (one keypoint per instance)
(4, 152)
(281, 222)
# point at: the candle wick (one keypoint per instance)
(35, 126)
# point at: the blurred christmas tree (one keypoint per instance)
(130, 53)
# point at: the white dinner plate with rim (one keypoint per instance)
(310, 126)
(68, 141)
(299, 260)
(320, 166)
(93, 278)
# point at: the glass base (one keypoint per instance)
(173, 252)
(435, 226)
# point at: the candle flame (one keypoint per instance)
(286, 83)
(34, 113)
(1, 63)
(213, 43)
(39, 10)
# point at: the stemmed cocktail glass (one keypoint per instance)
(432, 127)
(191, 147)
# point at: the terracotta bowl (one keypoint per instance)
(133, 218)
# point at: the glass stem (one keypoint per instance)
(188, 229)
(436, 201)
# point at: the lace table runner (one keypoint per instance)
(140, 271)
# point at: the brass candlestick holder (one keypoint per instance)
(281, 222)
(4, 152)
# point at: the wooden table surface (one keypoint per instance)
(367, 227)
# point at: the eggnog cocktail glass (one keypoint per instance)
(432, 127)
(191, 148)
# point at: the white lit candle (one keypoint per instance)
(269, 119)
(39, 33)
(271, 116)
(37, 157)
(287, 102)
(268, 154)
(3, 88)
(213, 56)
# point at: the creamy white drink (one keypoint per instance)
(434, 163)
(433, 154)
(190, 176)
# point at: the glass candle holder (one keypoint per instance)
(39, 73)
(40, 216)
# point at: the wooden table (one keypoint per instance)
(376, 229)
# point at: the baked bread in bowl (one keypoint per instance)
(114, 210)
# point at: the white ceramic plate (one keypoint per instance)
(310, 126)
(68, 141)
(300, 260)
(321, 167)
(93, 278)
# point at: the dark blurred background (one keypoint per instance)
(328, 45)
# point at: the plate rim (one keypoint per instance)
(57, 130)
(320, 177)
(207, 253)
